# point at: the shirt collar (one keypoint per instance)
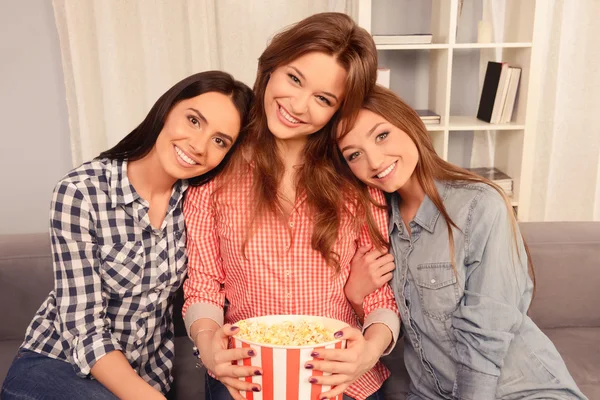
(427, 214)
(121, 190)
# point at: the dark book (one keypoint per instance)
(427, 114)
(488, 92)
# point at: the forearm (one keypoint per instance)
(202, 332)
(359, 310)
(114, 372)
(379, 337)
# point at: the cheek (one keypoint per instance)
(321, 115)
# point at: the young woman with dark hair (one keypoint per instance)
(118, 239)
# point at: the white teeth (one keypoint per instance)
(386, 172)
(184, 157)
(288, 116)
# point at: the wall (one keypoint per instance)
(35, 152)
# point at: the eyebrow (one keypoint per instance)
(303, 77)
(203, 118)
(367, 135)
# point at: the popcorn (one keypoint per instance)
(286, 333)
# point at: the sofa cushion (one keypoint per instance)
(565, 256)
(8, 351)
(27, 278)
(580, 348)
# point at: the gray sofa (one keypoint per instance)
(566, 305)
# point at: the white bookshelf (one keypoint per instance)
(446, 76)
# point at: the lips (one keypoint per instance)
(287, 116)
(386, 171)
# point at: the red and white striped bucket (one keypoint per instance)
(284, 375)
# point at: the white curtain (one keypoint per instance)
(120, 56)
(566, 175)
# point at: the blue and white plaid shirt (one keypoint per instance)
(115, 275)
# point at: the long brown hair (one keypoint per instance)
(430, 166)
(353, 48)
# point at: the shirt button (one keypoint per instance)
(288, 272)
(291, 224)
(432, 281)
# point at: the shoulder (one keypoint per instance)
(477, 199)
(89, 178)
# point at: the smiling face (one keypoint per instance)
(197, 135)
(378, 153)
(302, 96)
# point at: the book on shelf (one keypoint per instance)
(509, 105)
(499, 92)
(497, 176)
(414, 38)
(383, 77)
(429, 117)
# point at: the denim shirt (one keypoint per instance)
(466, 331)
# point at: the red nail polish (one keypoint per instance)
(255, 389)
(251, 353)
(309, 366)
(314, 354)
(338, 334)
(312, 380)
(257, 372)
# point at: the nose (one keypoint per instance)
(375, 159)
(299, 103)
(199, 143)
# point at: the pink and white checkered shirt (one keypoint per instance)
(280, 272)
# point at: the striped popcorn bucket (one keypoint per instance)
(284, 375)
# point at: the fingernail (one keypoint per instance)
(313, 380)
(234, 328)
(314, 354)
(255, 389)
(257, 372)
(251, 353)
(338, 334)
(309, 366)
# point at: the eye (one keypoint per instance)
(324, 99)
(353, 156)
(194, 120)
(294, 79)
(381, 136)
(220, 142)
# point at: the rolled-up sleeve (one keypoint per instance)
(488, 315)
(80, 303)
(380, 306)
(204, 296)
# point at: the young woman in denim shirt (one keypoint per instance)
(461, 276)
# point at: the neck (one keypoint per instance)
(148, 177)
(412, 195)
(290, 151)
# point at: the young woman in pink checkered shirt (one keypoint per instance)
(276, 233)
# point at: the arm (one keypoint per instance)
(204, 296)
(80, 303)
(488, 315)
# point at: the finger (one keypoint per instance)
(386, 258)
(373, 255)
(343, 355)
(361, 251)
(383, 279)
(240, 385)
(389, 266)
(236, 371)
(333, 367)
(228, 355)
(224, 332)
(334, 392)
(349, 333)
(235, 394)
